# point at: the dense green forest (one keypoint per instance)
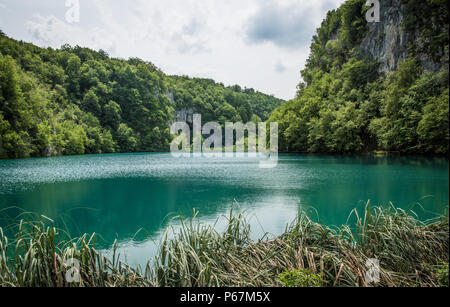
(344, 103)
(75, 100)
(78, 101)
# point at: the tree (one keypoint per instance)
(75, 138)
(433, 129)
(91, 103)
(111, 115)
(126, 139)
(73, 76)
(345, 105)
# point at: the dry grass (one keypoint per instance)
(410, 253)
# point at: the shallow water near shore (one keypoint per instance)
(117, 195)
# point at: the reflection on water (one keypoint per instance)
(116, 195)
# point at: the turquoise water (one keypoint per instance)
(116, 195)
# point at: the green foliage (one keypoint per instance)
(428, 20)
(433, 128)
(346, 105)
(219, 103)
(111, 115)
(300, 278)
(415, 112)
(91, 103)
(79, 101)
(126, 138)
(75, 138)
(442, 275)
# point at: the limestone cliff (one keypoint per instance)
(386, 41)
(390, 40)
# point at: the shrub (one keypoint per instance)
(300, 278)
(442, 275)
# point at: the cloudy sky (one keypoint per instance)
(254, 43)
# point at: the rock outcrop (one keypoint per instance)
(185, 115)
(386, 40)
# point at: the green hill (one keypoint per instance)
(78, 101)
(379, 86)
(366, 87)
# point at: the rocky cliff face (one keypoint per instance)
(185, 115)
(180, 115)
(387, 41)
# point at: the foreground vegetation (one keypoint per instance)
(411, 253)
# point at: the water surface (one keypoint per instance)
(116, 195)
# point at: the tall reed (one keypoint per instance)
(410, 252)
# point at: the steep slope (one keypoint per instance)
(377, 86)
(78, 101)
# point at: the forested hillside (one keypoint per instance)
(380, 86)
(374, 86)
(78, 101)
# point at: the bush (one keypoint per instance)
(300, 278)
(442, 275)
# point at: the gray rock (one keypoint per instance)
(185, 115)
(386, 40)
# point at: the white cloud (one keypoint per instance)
(51, 31)
(280, 67)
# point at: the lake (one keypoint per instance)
(116, 195)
